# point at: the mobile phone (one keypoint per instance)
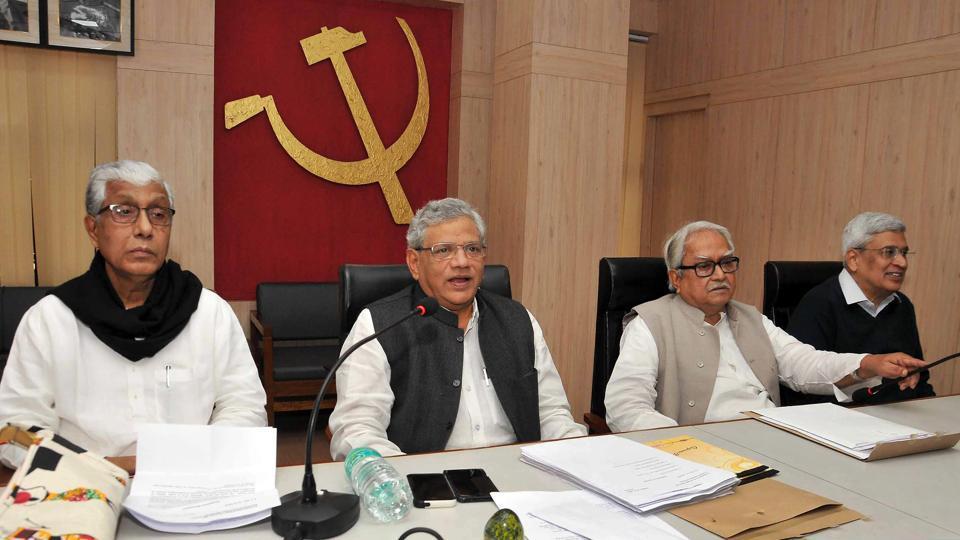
(470, 485)
(431, 491)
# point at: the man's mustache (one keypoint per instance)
(718, 286)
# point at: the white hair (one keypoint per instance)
(676, 246)
(439, 211)
(863, 227)
(137, 173)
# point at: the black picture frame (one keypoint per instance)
(101, 26)
(21, 22)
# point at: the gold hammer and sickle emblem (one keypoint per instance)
(381, 164)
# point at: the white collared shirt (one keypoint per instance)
(60, 376)
(853, 294)
(365, 398)
(631, 392)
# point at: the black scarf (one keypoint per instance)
(138, 332)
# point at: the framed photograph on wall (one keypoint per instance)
(94, 25)
(20, 21)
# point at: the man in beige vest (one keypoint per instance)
(700, 356)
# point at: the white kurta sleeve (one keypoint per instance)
(240, 398)
(364, 396)
(28, 386)
(555, 419)
(806, 369)
(631, 394)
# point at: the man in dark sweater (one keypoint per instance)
(861, 309)
(476, 373)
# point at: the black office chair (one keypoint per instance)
(784, 285)
(14, 302)
(624, 283)
(294, 337)
(362, 284)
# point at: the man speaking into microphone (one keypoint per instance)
(476, 373)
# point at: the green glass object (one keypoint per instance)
(503, 525)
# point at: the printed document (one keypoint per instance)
(199, 478)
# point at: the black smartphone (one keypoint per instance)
(470, 485)
(431, 491)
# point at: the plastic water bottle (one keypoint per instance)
(383, 492)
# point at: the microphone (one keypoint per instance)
(865, 394)
(306, 513)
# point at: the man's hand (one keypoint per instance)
(891, 366)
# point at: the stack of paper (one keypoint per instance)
(846, 430)
(632, 474)
(200, 478)
(574, 515)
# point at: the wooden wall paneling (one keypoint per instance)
(912, 153)
(572, 212)
(903, 21)
(472, 159)
(738, 192)
(816, 29)
(819, 171)
(632, 206)
(594, 26)
(747, 36)
(514, 25)
(909, 60)
(16, 242)
(679, 167)
(679, 53)
(168, 119)
(649, 155)
(507, 211)
(175, 21)
(643, 16)
(471, 102)
(63, 112)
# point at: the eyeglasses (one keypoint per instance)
(729, 265)
(158, 216)
(889, 252)
(446, 250)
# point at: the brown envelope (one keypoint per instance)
(766, 509)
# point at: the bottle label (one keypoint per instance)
(356, 456)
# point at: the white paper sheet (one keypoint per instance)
(576, 514)
(635, 475)
(845, 429)
(198, 478)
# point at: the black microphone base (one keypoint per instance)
(333, 514)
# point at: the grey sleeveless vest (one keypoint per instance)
(690, 354)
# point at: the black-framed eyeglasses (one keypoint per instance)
(159, 216)
(446, 250)
(729, 265)
(889, 252)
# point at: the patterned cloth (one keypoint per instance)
(60, 491)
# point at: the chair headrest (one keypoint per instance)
(299, 310)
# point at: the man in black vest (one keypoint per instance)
(476, 373)
(862, 308)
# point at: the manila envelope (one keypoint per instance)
(766, 510)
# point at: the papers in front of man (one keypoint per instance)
(192, 479)
(578, 514)
(639, 477)
(851, 432)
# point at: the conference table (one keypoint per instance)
(916, 496)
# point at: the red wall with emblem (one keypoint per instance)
(274, 220)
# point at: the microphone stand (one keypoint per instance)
(307, 513)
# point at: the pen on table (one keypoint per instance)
(759, 476)
(755, 470)
(167, 370)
